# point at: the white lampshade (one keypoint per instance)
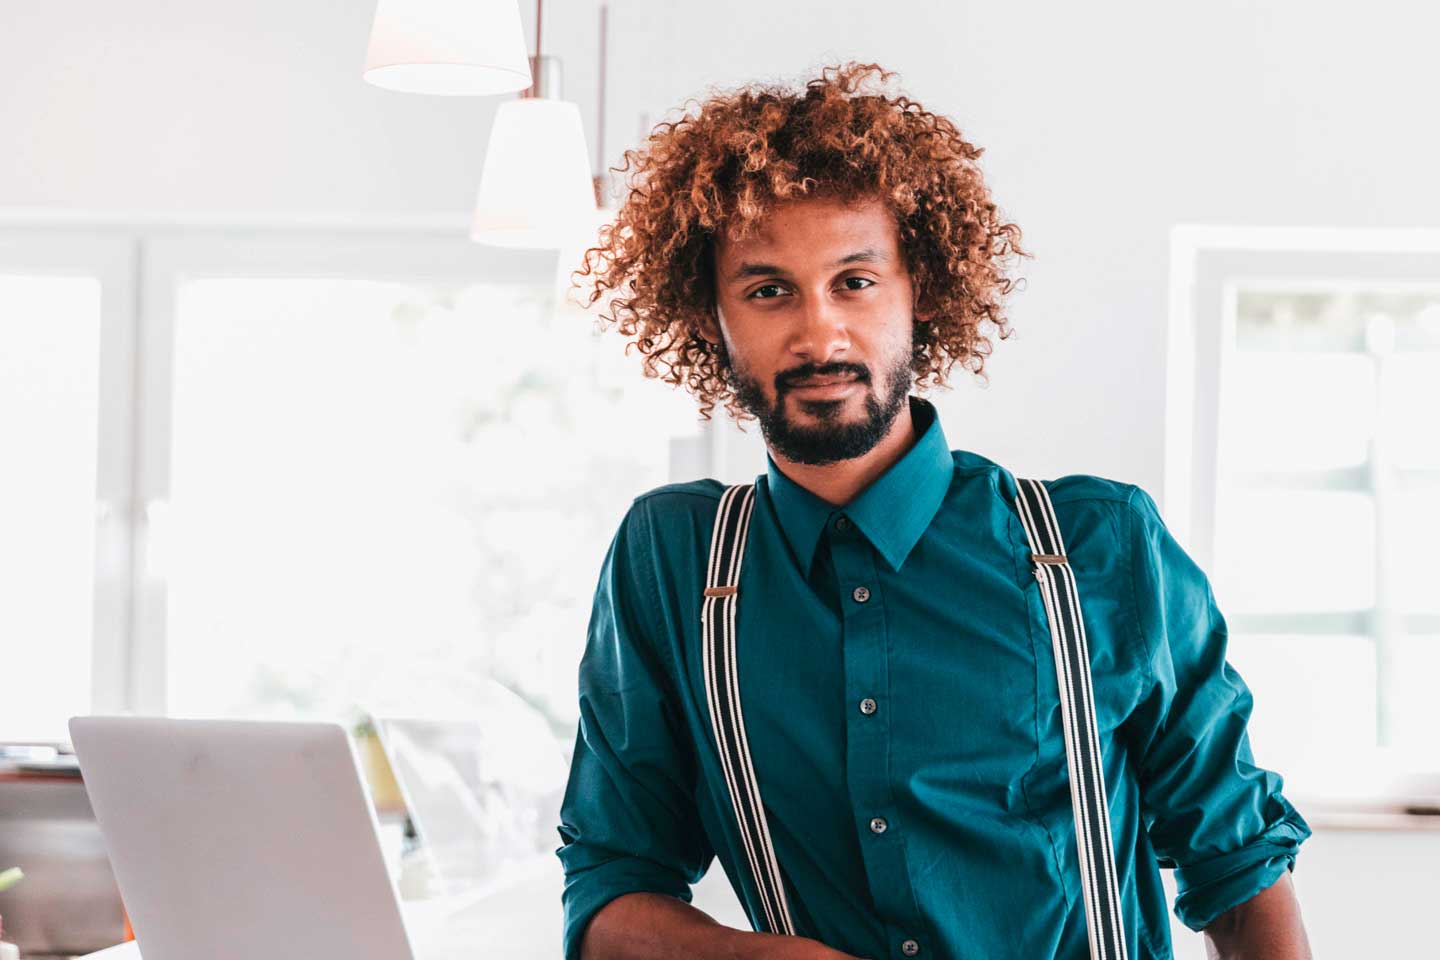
(472, 47)
(535, 187)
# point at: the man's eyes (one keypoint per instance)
(758, 292)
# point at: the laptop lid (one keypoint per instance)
(232, 840)
(484, 790)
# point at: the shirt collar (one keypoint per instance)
(892, 512)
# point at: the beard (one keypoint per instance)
(831, 439)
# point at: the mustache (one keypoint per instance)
(784, 381)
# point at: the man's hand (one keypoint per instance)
(770, 946)
(642, 926)
(1265, 927)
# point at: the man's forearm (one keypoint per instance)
(637, 926)
(641, 926)
(1265, 927)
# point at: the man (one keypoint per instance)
(807, 258)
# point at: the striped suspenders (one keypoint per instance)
(722, 690)
(1099, 882)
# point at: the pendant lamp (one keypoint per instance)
(535, 186)
(448, 47)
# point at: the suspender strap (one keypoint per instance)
(722, 689)
(1077, 709)
(1072, 671)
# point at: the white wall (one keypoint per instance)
(1104, 126)
(253, 108)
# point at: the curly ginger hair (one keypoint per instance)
(718, 173)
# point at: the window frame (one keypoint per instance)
(139, 261)
(111, 259)
(298, 253)
(1209, 266)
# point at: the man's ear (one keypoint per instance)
(710, 326)
(917, 312)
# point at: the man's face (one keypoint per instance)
(816, 311)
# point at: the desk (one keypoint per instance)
(68, 902)
(126, 951)
(520, 923)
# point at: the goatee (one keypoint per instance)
(831, 439)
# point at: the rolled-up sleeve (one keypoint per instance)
(1210, 812)
(628, 819)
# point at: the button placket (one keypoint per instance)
(866, 649)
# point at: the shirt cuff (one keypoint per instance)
(589, 890)
(1207, 888)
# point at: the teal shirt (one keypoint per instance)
(964, 757)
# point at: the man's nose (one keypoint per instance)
(821, 335)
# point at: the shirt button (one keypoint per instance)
(860, 594)
(878, 825)
(842, 523)
(909, 948)
(867, 706)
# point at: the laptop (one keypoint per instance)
(236, 840)
(483, 790)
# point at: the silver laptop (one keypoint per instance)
(232, 840)
(483, 790)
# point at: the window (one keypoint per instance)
(371, 472)
(48, 408)
(64, 345)
(1314, 479)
